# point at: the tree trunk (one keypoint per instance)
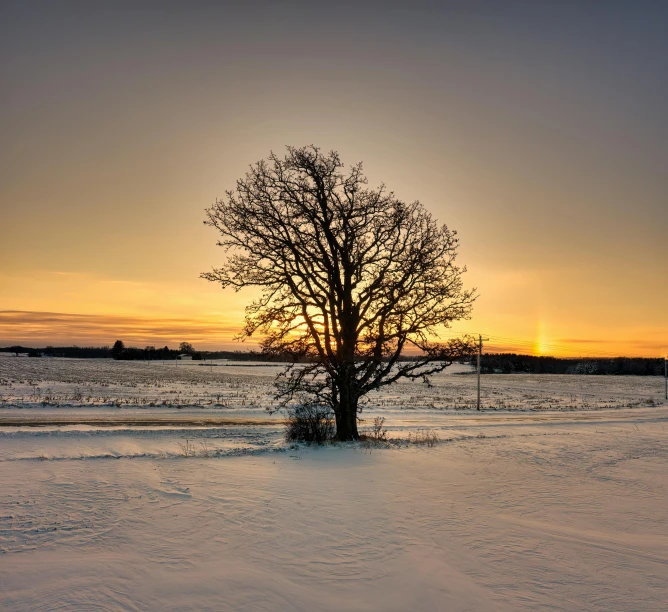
(346, 420)
(346, 425)
(346, 415)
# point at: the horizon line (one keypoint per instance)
(213, 332)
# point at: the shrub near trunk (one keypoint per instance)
(310, 423)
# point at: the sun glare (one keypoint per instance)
(541, 344)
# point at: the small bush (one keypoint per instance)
(187, 448)
(423, 436)
(310, 423)
(377, 433)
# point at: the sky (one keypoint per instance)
(536, 129)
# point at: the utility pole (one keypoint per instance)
(665, 374)
(480, 339)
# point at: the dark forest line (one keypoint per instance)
(491, 363)
(131, 353)
(508, 363)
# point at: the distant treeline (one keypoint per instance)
(491, 363)
(150, 353)
(507, 363)
(81, 352)
(166, 353)
(133, 353)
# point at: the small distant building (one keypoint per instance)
(185, 357)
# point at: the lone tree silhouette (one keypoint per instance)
(350, 277)
(186, 348)
(117, 349)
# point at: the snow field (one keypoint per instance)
(248, 388)
(554, 497)
(575, 520)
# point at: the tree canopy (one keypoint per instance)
(351, 277)
(186, 348)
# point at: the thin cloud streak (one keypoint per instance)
(583, 341)
(33, 328)
(39, 328)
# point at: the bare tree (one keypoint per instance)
(350, 276)
(186, 348)
(117, 349)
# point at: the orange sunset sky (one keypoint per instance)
(537, 132)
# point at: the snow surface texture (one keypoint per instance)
(520, 508)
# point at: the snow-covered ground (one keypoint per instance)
(554, 497)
